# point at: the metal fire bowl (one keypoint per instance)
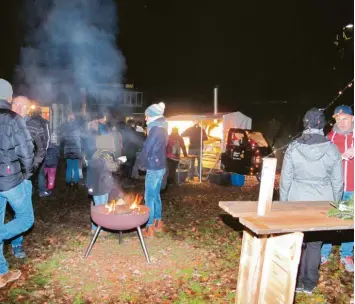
(119, 221)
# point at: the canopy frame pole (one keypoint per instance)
(201, 145)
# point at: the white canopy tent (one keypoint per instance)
(229, 120)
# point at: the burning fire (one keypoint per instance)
(136, 202)
(123, 205)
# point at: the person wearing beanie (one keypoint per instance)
(16, 160)
(153, 158)
(311, 171)
(342, 136)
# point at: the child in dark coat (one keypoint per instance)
(99, 182)
(51, 164)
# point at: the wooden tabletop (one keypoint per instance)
(286, 217)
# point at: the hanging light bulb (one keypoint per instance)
(350, 85)
(340, 92)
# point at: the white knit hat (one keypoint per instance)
(156, 109)
(5, 89)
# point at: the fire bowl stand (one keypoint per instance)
(97, 232)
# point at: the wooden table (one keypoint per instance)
(272, 245)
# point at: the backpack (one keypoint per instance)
(175, 149)
(109, 159)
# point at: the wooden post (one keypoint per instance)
(266, 185)
(250, 268)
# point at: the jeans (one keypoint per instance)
(99, 200)
(346, 248)
(193, 170)
(310, 259)
(50, 173)
(172, 165)
(72, 164)
(20, 199)
(152, 198)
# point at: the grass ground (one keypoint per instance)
(195, 261)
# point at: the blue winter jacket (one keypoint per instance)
(153, 156)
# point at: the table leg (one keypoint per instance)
(268, 268)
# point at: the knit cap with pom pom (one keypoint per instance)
(156, 109)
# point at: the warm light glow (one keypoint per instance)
(216, 131)
(181, 125)
(33, 107)
(349, 26)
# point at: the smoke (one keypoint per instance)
(71, 44)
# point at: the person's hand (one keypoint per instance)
(348, 154)
(122, 159)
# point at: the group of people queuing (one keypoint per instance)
(24, 140)
(320, 168)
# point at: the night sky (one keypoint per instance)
(254, 50)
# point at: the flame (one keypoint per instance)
(125, 204)
(111, 206)
(137, 201)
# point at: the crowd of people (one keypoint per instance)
(29, 154)
(315, 168)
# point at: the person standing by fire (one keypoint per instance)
(16, 160)
(153, 158)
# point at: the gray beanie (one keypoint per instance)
(5, 89)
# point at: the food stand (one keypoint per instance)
(216, 127)
(272, 241)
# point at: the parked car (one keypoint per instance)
(245, 150)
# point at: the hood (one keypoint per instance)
(4, 104)
(337, 130)
(313, 152)
(312, 144)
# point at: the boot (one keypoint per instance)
(8, 277)
(149, 232)
(158, 225)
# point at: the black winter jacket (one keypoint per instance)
(16, 148)
(70, 135)
(99, 178)
(39, 130)
(194, 134)
(52, 156)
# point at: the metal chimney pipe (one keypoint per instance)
(215, 100)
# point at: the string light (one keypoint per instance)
(349, 85)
